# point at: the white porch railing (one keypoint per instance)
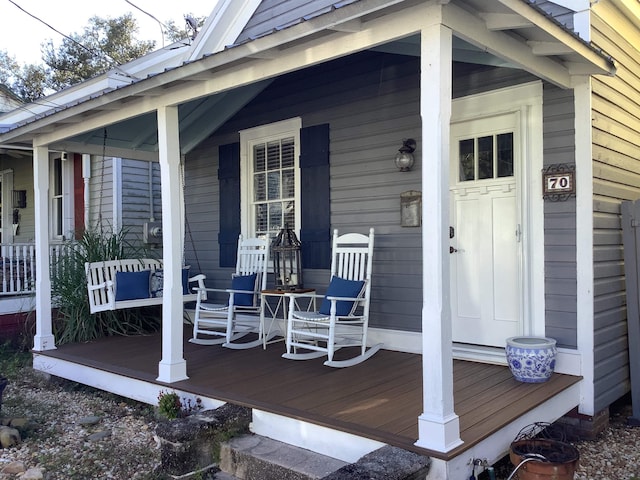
(18, 267)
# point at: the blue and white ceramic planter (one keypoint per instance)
(531, 359)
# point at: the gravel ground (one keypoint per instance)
(77, 433)
(65, 443)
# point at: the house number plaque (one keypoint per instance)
(558, 182)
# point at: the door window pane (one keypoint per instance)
(485, 157)
(505, 155)
(467, 162)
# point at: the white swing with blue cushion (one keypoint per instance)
(133, 282)
(343, 317)
(224, 323)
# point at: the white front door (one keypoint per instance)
(485, 252)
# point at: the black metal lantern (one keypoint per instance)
(287, 263)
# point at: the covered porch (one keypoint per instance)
(376, 401)
(451, 410)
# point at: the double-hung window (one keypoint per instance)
(270, 186)
(60, 200)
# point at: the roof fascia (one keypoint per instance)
(266, 57)
(223, 26)
(157, 61)
(62, 99)
(601, 64)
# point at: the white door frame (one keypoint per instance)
(526, 101)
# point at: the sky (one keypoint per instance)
(21, 35)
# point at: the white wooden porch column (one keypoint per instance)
(438, 426)
(173, 366)
(44, 339)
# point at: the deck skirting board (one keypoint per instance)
(135, 389)
(332, 443)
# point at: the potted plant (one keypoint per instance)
(531, 359)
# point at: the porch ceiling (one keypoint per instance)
(510, 33)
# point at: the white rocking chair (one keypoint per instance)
(343, 317)
(225, 323)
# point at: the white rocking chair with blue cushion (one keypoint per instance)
(343, 317)
(225, 323)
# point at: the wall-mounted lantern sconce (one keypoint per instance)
(404, 157)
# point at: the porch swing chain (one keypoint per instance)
(104, 149)
(186, 220)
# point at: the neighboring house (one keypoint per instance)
(81, 194)
(493, 91)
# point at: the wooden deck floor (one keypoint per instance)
(380, 399)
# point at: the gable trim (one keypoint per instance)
(223, 26)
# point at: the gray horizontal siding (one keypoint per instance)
(141, 189)
(367, 112)
(560, 223)
(272, 14)
(616, 177)
(371, 102)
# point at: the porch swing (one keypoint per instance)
(128, 283)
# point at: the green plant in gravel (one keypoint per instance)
(170, 406)
(69, 287)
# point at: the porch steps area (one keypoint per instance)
(254, 457)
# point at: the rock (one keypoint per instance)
(193, 443)
(9, 437)
(13, 468)
(32, 474)
(19, 423)
(386, 463)
(89, 420)
(94, 437)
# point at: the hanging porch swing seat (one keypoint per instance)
(130, 283)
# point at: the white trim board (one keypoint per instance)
(139, 390)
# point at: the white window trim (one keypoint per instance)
(261, 134)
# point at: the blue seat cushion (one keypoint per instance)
(132, 285)
(340, 287)
(243, 282)
(156, 282)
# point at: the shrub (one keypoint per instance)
(170, 405)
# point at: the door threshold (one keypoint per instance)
(479, 353)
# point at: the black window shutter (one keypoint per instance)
(315, 231)
(229, 179)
